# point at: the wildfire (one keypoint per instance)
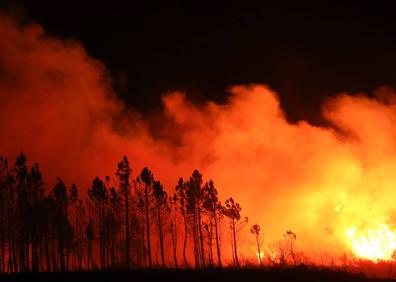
(375, 243)
(260, 256)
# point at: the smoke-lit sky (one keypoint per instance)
(58, 62)
(304, 52)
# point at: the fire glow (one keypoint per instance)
(375, 244)
(322, 182)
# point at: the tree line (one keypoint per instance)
(122, 221)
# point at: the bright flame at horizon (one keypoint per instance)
(323, 182)
(375, 243)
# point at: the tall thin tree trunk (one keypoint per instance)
(210, 243)
(54, 260)
(235, 243)
(89, 254)
(61, 248)
(10, 254)
(201, 240)
(148, 226)
(27, 248)
(42, 269)
(67, 258)
(174, 240)
(217, 240)
(127, 247)
(77, 236)
(2, 230)
(14, 251)
(21, 246)
(161, 236)
(185, 240)
(258, 248)
(143, 245)
(2, 239)
(196, 241)
(101, 255)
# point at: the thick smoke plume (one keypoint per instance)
(57, 105)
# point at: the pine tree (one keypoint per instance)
(147, 178)
(98, 195)
(212, 205)
(124, 173)
(160, 198)
(233, 211)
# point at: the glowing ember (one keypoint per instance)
(375, 244)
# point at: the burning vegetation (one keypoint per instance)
(314, 194)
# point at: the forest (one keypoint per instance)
(130, 223)
(121, 222)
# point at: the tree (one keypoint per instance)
(12, 221)
(141, 209)
(147, 178)
(49, 226)
(123, 173)
(60, 196)
(36, 187)
(212, 205)
(22, 197)
(233, 211)
(115, 222)
(3, 211)
(160, 197)
(290, 238)
(98, 195)
(53, 232)
(173, 226)
(89, 232)
(76, 204)
(255, 230)
(194, 208)
(181, 200)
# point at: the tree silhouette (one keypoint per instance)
(255, 230)
(22, 196)
(49, 218)
(36, 187)
(98, 195)
(147, 178)
(123, 173)
(233, 211)
(114, 222)
(141, 210)
(212, 205)
(194, 209)
(11, 195)
(61, 200)
(290, 238)
(181, 201)
(173, 208)
(57, 231)
(78, 210)
(89, 232)
(3, 211)
(160, 197)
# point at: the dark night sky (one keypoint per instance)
(304, 52)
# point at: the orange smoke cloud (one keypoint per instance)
(57, 105)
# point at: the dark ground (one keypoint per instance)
(294, 274)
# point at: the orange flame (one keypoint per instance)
(375, 243)
(260, 256)
(319, 181)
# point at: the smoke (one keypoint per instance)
(57, 105)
